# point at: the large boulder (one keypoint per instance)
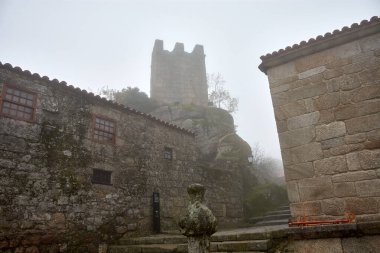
(214, 129)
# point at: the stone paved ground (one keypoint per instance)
(250, 230)
(250, 239)
(312, 239)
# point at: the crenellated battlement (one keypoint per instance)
(178, 76)
(178, 48)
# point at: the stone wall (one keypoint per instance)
(337, 245)
(326, 99)
(339, 238)
(46, 192)
(178, 76)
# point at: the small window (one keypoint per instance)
(18, 104)
(168, 153)
(101, 177)
(104, 129)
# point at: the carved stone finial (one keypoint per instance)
(199, 223)
(196, 193)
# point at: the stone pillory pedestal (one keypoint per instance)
(178, 76)
(199, 223)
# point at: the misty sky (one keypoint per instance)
(94, 43)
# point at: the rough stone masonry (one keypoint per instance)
(78, 170)
(326, 99)
(178, 76)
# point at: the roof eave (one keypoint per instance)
(317, 46)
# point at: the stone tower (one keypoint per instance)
(178, 76)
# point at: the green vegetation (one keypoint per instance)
(65, 155)
(263, 198)
(131, 97)
(187, 107)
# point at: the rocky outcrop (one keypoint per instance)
(214, 129)
(223, 157)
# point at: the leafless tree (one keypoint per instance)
(219, 96)
(266, 167)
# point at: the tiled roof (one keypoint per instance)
(64, 85)
(374, 21)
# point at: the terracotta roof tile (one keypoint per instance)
(63, 84)
(321, 38)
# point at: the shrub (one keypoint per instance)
(263, 198)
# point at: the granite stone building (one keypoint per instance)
(77, 169)
(326, 99)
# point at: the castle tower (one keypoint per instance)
(178, 76)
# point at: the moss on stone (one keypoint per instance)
(188, 107)
(263, 198)
(237, 148)
(65, 154)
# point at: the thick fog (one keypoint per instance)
(91, 44)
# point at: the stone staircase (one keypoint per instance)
(243, 240)
(279, 216)
(254, 239)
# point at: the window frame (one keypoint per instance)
(3, 99)
(168, 153)
(102, 117)
(108, 172)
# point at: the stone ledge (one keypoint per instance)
(334, 230)
(269, 236)
(325, 231)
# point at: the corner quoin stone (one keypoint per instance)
(305, 120)
(299, 171)
(293, 193)
(296, 137)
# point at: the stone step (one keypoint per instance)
(240, 246)
(275, 217)
(278, 212)
(228, 246)
(283, 208)
(155, 239)
(272, 222)
(180, 239)
(243, 240)
(183, 239)
(150, 248)
(269, 218)
(254, 220)
(246, 234)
